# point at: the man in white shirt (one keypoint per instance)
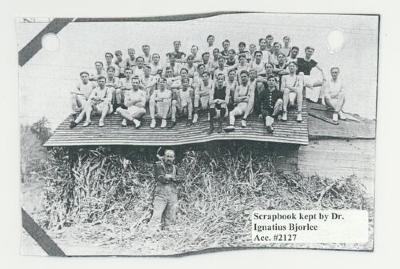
(292, 87)
(146, 54)
(210, 44)
(99, 102)
(109, 62)
(82, 92)
(334, 94)
(160, 104)
(135, 101)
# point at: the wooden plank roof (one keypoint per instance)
(113, 133)
(348, 129)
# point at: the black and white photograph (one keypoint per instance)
(197, 133)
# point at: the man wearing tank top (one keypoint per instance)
(244, 101)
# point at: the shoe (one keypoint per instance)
(86, 123)
(123, 123)
(284, 116)
(211, 130)
(229, 128)
(137, 123)
(189, 123)
(270, 129)
(173, 124)
(299, 117)
(335, 117)
(244, 123)
(72, 124)
(163, 123)
(342, 116)
(195, 118)
(101, 123)
(153, 124)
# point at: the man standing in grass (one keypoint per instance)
(165, 202)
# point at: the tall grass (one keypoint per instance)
(105, 194)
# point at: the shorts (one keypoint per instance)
(98, 108)
(134, 110)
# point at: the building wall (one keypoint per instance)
(339, 158)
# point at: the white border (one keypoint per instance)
(387, 181)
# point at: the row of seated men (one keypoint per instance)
(233, 93)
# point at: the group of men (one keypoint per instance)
(217, 82)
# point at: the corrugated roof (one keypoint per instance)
(114, 134)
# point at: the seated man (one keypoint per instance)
(334, 94)
(99, 71)
(135, 101)
(109, 62)
(182, 102)
(146, 54)
(112, 82)
(178, 55)
(83, 90)
(258, 64)
(305, 65)
(292, 87)
(156, 66)
(219, 98)
(269, 103)
(148, 82)
(129, 62)
(243, 101)
(160, 104)
(119, 61)
(125, 84)
(202, 95)
(99, 102)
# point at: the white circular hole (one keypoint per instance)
(335, 41)
(50, 42)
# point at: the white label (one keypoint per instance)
(310, 226)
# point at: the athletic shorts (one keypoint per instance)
(97, 109)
